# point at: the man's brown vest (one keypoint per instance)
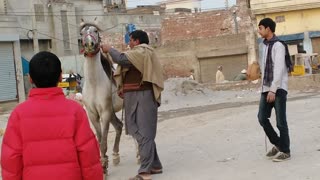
(133, 81)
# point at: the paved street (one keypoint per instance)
(228, 143)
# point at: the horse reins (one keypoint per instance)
(97, 48)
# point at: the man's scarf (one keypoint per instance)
(268, 70)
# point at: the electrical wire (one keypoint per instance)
(78, 36)
(98, 15)
(270, 2)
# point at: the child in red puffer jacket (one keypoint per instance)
(48, 136)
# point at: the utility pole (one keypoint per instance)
(227, 4)
(34, 29)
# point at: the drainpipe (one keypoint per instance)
(34, 29)
(307, 43)
(227, 4)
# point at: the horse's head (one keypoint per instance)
(90, 38)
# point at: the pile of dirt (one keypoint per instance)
(184, 86)
(183, 92)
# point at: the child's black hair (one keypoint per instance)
(45, 69)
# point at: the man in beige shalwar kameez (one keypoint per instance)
(219, 75)
(140, 79)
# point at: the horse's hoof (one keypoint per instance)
(105, 174)
(105, 171)
(104, 163)
(116, 159)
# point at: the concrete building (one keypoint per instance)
(56, 23)
(114, 6)
(52, 22)
(11, 81)
(297, 21)
(147, 9)
(172, 5)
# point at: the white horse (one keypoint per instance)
(99, 92)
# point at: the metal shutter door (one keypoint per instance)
(232, 65)
(8, 83)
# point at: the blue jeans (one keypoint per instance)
(265, 108)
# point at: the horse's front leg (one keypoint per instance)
(95, 121)
(105, 123)
(118, 125)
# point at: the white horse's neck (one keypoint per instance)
(93, 70)
(97, 88)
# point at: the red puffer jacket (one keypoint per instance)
(48, 137)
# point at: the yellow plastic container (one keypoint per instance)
(73, 84)
(63, 84)
(298, 70)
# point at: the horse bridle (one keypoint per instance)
(96, 46)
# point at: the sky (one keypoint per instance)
(205, 4)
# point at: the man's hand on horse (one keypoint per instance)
(105, 48)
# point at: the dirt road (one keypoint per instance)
(166, 115)
(225, 142)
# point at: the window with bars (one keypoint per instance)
(65, 30)
(280, 19)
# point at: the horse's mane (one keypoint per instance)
(107, 66)
(83, 24)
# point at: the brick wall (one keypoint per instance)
(193, 33)
(195, 26)
(179, 58)
(202, 25)
(116, 39)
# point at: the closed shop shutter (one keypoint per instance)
(232, 65)
(8, 83)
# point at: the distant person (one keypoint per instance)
(274, 91)
(307, 63)
(219, 75)
(242, 76)
(48, 136)
(191, 77)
